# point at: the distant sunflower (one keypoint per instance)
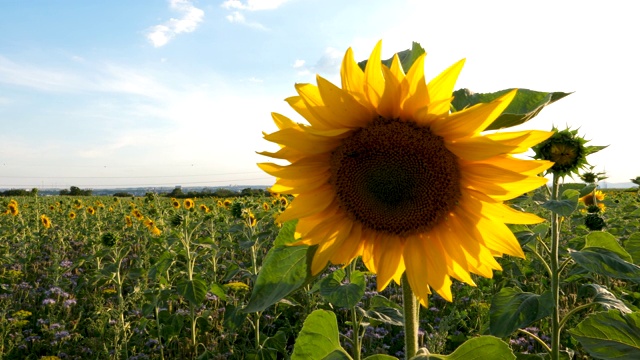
(13, 208)
(137, 214)
(46, 222)
(175, 203)
(386, 172)
(72, 215)
(265, 206)
(127, 221)
(204, 208)
(91, 210)
(227, 203)
(593, 201)
(189, 203)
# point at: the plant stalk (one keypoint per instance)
(410, 307)
(555, 273)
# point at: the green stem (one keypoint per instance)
(536, 338)
(546, 265)
(354, 318)
(410, 306)
(575, 310)
(555, 274)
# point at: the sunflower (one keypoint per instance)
(151, 225)
(227, 203)
(127, 221)
(137, 214)
(204, 208)
(188, 203)
(265, 206)
(386, 172)
(12, 208)
(46, 222)
(91, 210)
(175, 203)
(72, 215)
(251, 219)
(593, 201)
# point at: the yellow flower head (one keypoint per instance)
(175, 203)
(13, 208)
(204, 208)
(72, 215)
(137, 214)
(226, 203)
(383, 170)
(265, 206)
(588, 199)
(91, 210)
(46, 222)
(127, 221)
(189, 203)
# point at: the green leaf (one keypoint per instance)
(587, 189)
(525, 106)
(319, 338)
(194, 290)
(345, 295)
(383, 310)
(407, 57)
(218, 291)
(512, 309)
(605, 262)
(599, 294)
(610, 335)
(562, 207)
(478, 348)
(381, 357)
(284, 270)
(632, 245)
(233, 318)
(601, 239)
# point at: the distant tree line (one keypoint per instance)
(222, 193)
(20, 192)
(76, 191)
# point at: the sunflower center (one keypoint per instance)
(395, 177)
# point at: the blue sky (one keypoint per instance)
(133, 93)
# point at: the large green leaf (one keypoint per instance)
(195, 291)
(512, 309)
(526, 104)
(610, 335)
(478, 348)
(284, 270)
(599, 294)
(407, 57)
(566, 205)
(319, 338)
(601, 239)
(383, 310)
(632, 245)
(340, 293)
(605, 262)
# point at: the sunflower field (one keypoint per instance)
(407, 224)
(159, 278)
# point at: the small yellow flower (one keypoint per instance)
(588, 199)
(204, 208)
(227, 203)
(72, 215)
(13, 208)
(265, 206)
(237, 286)
(46, 222)
(137, 214)
(189, 203)
(127, 221)
(91, 210)
(251, 219)
(155, 231)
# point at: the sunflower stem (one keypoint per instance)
(555, 273)
(410, 306)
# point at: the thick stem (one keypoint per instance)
(410, 305)
(555, 274)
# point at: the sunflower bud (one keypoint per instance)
(567, 150)
(176, 220)
(594, 222)
(109, 239)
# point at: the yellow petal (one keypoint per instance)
(374, 80)
(303, 141)
(301, 108)
(498, 237)
(351, 246)
(414, 261)
(417, 93)
(387, 254)
(297, 186)
(346, 110)
(522, 139)
(352, 77)
(473, 120)
(308, 204)
(441, 88)
(477, 148)
(295, 170)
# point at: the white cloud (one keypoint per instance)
(253, 5)
(238, 17)
(329, 61)
(298, 63)
(159, 35)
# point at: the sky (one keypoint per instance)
(120, 93)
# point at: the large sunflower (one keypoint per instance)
(386, 172)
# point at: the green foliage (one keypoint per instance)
(319, 338)
(512, 309)
(610, 335)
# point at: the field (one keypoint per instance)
(160, 278)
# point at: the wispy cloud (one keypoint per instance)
(253, 5)
(159, 35)
(238, 17)
(328, 64)
(237, 8)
